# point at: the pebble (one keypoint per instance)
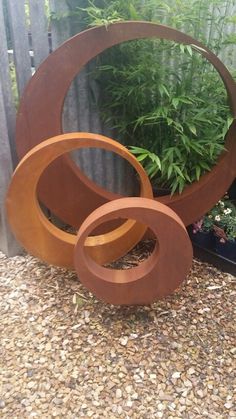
(191, 371)
(57, 401)
(106, 361)
(124, 340)
(119, 410)
(228, 405)
(200, 393)
(176, 374)
(118, 393)
(2, 404)
(31, 384)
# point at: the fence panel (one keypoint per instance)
(19, 33)
(39, 31)
(7, 242)
(7, 87)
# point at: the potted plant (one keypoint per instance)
(225, 229)
(217, 229)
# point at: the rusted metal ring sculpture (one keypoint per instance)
(157, 276)
(47, 90)
(40, 237)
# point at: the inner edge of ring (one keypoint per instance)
(71, 238)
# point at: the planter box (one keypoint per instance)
(208, 248)
(202, 238)
(232, 191)
(209, 256)
(227, 249)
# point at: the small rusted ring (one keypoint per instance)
(156, 277)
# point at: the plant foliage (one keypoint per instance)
(164, 99)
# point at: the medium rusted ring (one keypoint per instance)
(35, 232)
(39, 117)
(156, 277)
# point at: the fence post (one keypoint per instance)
(8, 244)
(6, 87)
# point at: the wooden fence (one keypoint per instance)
(23, 35)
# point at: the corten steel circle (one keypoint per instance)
(35, 232)
(39, 117)
(155, 278)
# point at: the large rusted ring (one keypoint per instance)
(39, 117)
(35, 232)
(156, 277)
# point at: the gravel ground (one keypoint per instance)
(63, 354)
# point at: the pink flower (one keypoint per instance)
(222, 240)
(197, 225)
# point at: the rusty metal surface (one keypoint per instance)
(63, 185)
(156, 277)
(35, 232)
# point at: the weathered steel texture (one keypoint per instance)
(39, 31)
(61, 183)
(6, 88)
(156, 277)
(37, 234)
(19, 34)
(7, 242)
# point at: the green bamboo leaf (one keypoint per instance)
(198, 172)
(196, 147)
(170, 171)
(175, 102)
(204, 165)
(174, 186)
(229, 121)
(180, 173)
(154, 173)
(187, 177)
(138, 150)
(133, 12)
(189, 49)
(178, 153)
(142, 157)
(186, 100)
(192, 128)
(163, 90)
(181, 185)
(157, 161)
(169, 121)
